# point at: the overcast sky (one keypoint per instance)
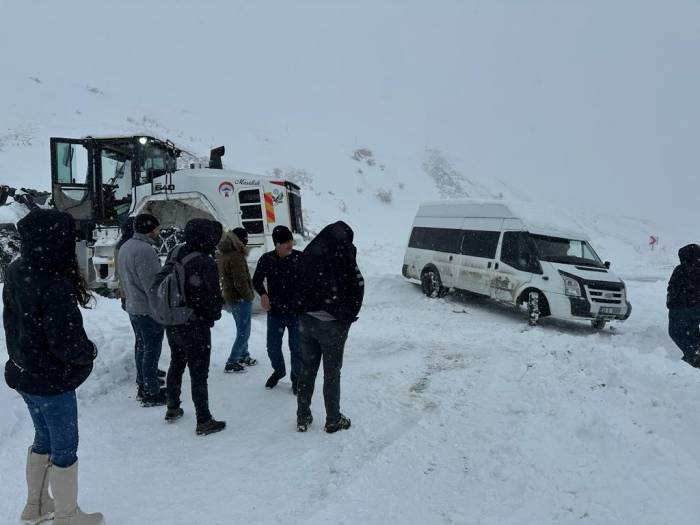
(577, 100)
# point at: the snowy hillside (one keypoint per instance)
(376, 190)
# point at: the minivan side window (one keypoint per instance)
(519, 251)
(436, 239)
(480, 243)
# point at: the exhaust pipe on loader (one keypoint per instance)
(215, 158)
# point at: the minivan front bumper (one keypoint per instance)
(583, 309)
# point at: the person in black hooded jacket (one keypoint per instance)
(190, 343)
(330, 290)
(683, 302)
(50, 356)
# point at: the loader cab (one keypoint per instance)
(95, 179)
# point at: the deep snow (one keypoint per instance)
(460, 415)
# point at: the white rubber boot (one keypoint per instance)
(64, 486)
(39, 505)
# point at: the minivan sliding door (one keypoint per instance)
(476, 262)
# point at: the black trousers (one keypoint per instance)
(321, 341)
(683, 327)
(190, 346)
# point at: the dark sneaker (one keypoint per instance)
(343, 423)
(162, 373)
(210, 427)
(304, 422)
(139, 393)
(274, 379)
(173, 414)
(157, 400)
(248, 361)
(231, 368)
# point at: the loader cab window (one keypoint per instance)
(250, 204)
(71, 178)
(115, 166)
(296, 217)
(155, 161)
(71, 163)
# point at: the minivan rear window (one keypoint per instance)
(436, 239)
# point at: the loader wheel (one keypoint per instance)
(168, 239)
(432, 284)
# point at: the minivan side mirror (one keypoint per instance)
(607, 264)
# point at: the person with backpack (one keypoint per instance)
(330, 290)
(190, 336)
(277, 269)
(238, 292)
(50, 356)
(138, 265)
(683, 302)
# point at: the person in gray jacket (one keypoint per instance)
(138, 265)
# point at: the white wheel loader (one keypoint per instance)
(101, 181)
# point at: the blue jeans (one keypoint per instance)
(241, 315)
(276, 323)
(149, 343)
(55, 421)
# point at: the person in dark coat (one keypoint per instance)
(683, 302)
(190, 343)
(50, 356)
(330, 290)
(277, 269)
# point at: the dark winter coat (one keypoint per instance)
(202, 290)
(281, 275)
(49, 351)
(233, 270)
(329, 278)
(684, 286)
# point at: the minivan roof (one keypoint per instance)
(536, 219)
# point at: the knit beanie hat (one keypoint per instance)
(281, 234)
(145, 223)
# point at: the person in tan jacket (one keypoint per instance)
(238, 292)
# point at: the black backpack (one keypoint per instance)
(166, 297)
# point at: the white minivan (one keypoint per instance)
(487, 249)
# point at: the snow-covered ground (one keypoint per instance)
(460, 415)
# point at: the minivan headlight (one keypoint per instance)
(572, 288)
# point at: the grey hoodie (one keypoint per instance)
(138, 265)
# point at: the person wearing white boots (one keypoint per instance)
(49, 357)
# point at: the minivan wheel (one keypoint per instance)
(533, 308)
(432, 284)
(599, 324)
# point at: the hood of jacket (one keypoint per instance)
(690, 255)
(203, 235)
(230, 243)
(127, 229)
(334, 240)
(47, 239)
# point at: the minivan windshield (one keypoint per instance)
(566, 251)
